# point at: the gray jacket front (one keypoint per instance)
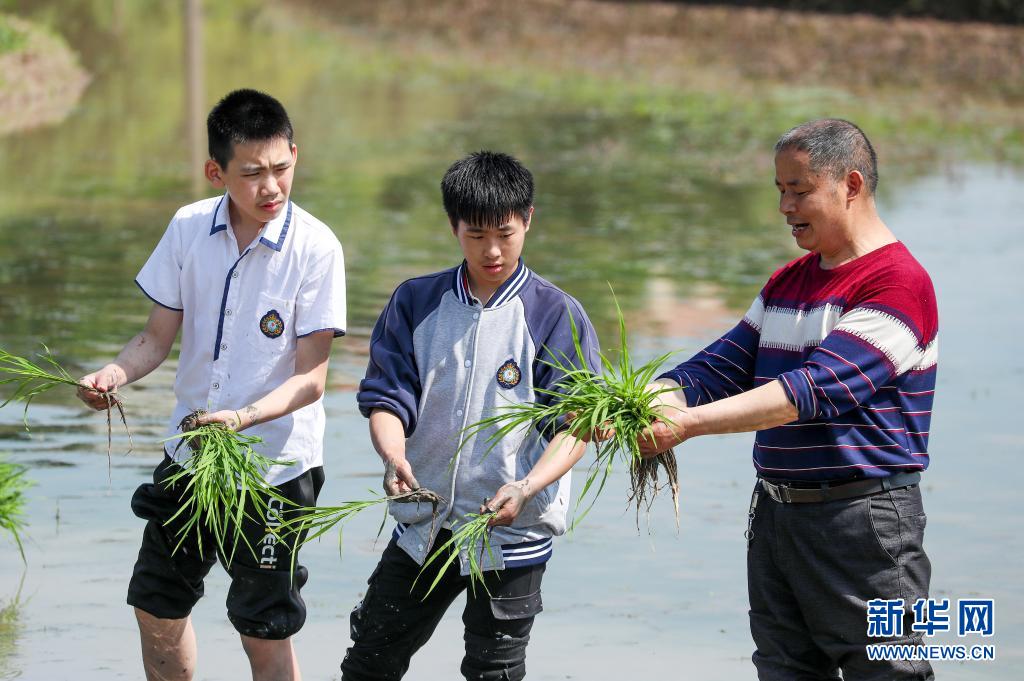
(441, 361)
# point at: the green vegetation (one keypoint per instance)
(617, 402)
(221, 486)
(32, 380)
(11, 38)
(12, 501)
(650, 140)
(474, 537)
(309, 523)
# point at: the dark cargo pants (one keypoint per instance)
(392, 622)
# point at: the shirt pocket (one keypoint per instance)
(270, 333)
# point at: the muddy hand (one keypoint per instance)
(93, 389)
(398, 477)
(509, 502)
(229, 417)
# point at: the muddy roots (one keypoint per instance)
(645, 483)
(188, 424)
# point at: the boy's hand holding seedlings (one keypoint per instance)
(561, 454)
(94, 385)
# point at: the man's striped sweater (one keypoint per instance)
(855, 349)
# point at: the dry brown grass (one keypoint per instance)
(705, 46)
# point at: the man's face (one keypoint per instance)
(815, 206)
(492, 253)
(258, 178)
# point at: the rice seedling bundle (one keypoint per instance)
(12, 501)
(473, 537)
(31, 380)
(615, 402)
(222, 485)
(309, 523)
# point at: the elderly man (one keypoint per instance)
(834, 367)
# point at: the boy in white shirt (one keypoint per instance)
(257, 287)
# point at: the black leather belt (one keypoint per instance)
(786, 493)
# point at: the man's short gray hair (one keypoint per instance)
(834, 147)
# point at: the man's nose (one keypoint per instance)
(786, 204)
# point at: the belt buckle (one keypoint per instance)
(779, 493)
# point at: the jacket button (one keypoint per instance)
(468, 363)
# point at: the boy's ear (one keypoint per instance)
(214, 174)
(529, 217)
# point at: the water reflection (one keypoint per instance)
(86, 201)
(10, 629)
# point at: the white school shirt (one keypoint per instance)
(243, 315)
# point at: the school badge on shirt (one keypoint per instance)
(509, 374)
(271, 324)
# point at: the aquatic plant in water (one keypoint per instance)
(223, 484)
(31, 380)
(12, 501)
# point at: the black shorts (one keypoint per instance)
(263, 600)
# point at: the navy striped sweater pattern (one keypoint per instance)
(855, 348)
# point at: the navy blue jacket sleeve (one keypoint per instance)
(726, 367)
(392, 379)
(555, 345)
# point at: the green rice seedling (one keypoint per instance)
(473, 536)
(223, 485)
(309, 523)
(12, 501)
(31, 380)
(616, 402)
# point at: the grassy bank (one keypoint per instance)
(40, 77)
(924, 85)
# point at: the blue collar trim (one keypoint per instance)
(283, 234)
(219, 226)
(506, 292)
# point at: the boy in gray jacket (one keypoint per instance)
(450, 348)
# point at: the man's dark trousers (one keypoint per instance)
(812, 567)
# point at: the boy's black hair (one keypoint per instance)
(486, 188)
(245, 116)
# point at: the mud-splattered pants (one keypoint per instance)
(394, 621)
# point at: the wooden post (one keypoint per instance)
(194, 100)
